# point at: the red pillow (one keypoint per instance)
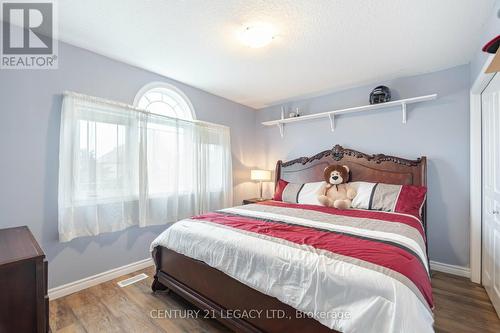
(411, 199)
(278, 191)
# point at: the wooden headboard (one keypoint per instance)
(377, 168)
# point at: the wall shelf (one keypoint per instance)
(331, 114)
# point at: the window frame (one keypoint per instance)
(158, 84)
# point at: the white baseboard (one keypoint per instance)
(450, 269)
(93, 280)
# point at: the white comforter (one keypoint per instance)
(339, 294)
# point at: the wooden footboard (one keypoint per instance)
(226, 299)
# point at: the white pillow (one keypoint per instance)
(309, 193)
(364, 191)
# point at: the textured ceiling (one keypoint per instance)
(322, 45)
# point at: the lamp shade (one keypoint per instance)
(260, 175)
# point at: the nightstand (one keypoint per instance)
(254, 200)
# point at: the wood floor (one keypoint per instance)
(461, 306)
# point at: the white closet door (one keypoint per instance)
(491, 191)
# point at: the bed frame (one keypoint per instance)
(215, 292)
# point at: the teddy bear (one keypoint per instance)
(336, 192)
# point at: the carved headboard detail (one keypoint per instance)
(373, 168)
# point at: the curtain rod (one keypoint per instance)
(133, 108)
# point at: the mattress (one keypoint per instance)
(352, 270)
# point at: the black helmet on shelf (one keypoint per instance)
(380, 94)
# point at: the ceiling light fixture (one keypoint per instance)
(257, 35)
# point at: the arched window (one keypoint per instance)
(164, 99)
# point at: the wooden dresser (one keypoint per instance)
(24, 304)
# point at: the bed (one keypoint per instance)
(281, 267)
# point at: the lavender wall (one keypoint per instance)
(30, 103)
(438, 129)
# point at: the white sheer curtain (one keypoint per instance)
(120, 166)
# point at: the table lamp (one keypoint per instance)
(260, 176)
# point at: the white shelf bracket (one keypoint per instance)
(332, 121)
(280, 126)
(403, 108)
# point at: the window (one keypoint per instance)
(164, 99)
(104, 174)
(122, 166)
(166, 139)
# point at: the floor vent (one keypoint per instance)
(133, 279)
